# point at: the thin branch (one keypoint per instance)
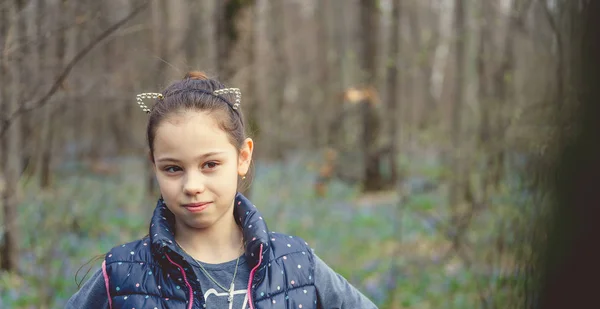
(24, 108)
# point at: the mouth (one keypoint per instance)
(196, 207)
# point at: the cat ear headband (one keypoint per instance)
(217, 93)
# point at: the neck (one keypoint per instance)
(219, 243)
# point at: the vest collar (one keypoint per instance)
(254, 229)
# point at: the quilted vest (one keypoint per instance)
(150, 273)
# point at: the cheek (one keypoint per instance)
(226, 181)
(167, 186)
(162, 180)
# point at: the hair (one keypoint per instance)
(91, 265)
(194, 93)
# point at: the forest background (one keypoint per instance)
(407, 135)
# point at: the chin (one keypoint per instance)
(199, 224)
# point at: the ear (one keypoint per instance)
(245, 156)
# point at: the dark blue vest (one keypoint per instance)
(150, 273)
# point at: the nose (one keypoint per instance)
(194, 184)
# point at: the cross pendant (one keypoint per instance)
(230, 298)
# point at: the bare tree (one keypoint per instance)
(369, 15)
(27, 126)
(159, 34)
(12, 165)
(456, 162)
(392, 110)
(320, 109)
(392, 88)
(10, 118)
(53, 58)
(278, 79)
(4, 26)
(227, 13)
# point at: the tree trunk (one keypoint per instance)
(3, 92)
(26, 70)
(12, 165)
(4, 83)
(369, 16)
(116, 77)
(412, 67)
(459, 80)
(34, 28)
(392, 116)
(502, 95)
(224, 33)
(392, 85)
(339, 73)
(177, 21)
(252, 109)
(55, 59)
(278, 80)
(193, 34)
(559, 43)
(569, 264)
(323, 110)
(250, 103)
(159, 23)
(227, 34)
(484, 138)
(430, 113)
(80, 112)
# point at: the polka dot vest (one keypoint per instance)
(150, 273)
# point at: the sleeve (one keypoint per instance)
(335, 292)
(91, 295)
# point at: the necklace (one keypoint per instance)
(231, 286)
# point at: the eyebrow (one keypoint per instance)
(206, 155)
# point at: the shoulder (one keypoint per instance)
(91, 295)
(335, 291)
(292, 249)
(134, 251)
(286, 244)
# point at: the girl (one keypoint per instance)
(208, 245)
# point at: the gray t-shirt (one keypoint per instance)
(223, 273)
(334, 292)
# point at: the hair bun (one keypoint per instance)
(196, 75)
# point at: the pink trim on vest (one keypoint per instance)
(105, 275)
(252, 277)
(189, 286)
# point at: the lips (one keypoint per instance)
(196, 207)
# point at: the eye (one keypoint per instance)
(210, 165)
(172, 169)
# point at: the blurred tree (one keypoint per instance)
(53, 57)
(278, 80)
(393, 58)
(4, 26)
(326, 109)
(456, 180)
(27, 127)
(227, 34)
(568, 260)
(373, 179)
(9, 248)
(160, 50)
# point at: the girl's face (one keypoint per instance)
(197, 168)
